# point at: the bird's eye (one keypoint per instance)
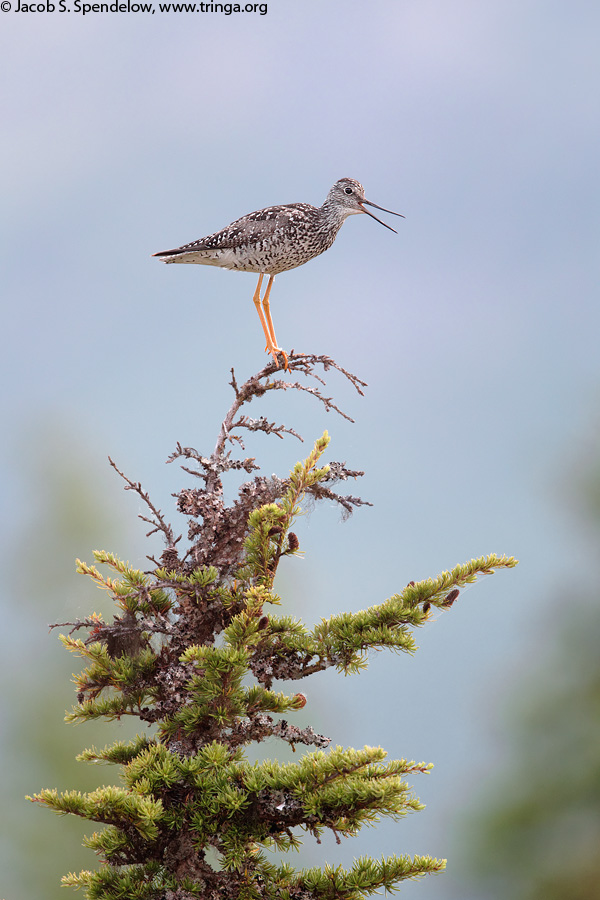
(348, 190)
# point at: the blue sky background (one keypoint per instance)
(476, 327)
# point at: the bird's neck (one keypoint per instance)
(334, 214)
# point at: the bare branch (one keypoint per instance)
(158, 522)
(216, 531)
(261, 425)
(259, 384)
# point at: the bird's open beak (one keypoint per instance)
(368, 202)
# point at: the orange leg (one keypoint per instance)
(267, 322)
(267, 309)
(256, 301)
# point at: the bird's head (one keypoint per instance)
(348, 196)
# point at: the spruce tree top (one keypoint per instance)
(193, 651)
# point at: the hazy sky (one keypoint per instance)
(476, 327)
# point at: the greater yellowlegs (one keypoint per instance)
(276, 239)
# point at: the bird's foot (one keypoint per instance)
(275, 351)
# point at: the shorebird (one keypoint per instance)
(276, 239)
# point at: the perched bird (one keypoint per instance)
(276, 239)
